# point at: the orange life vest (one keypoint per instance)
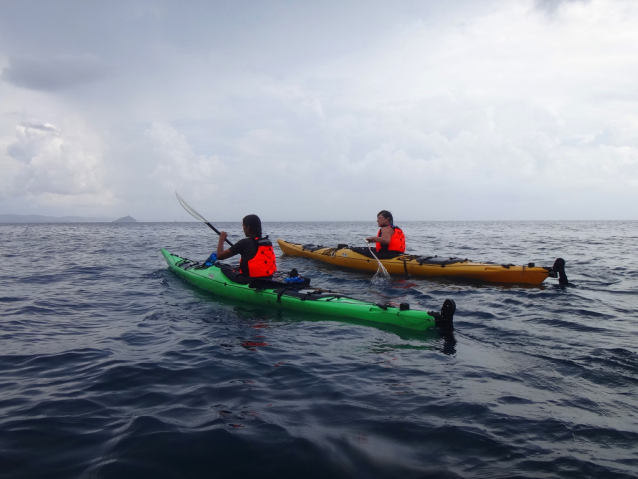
(263, 263)
(397, 242)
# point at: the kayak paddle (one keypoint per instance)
(196, 215)
(381, 268)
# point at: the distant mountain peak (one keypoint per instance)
(126, 219)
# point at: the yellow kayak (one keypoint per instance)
(430, 266)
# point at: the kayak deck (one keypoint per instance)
(405, 264)
(312, 300)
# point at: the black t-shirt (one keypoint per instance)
(247, 248)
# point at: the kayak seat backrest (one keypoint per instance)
(435, 260)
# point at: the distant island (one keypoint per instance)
(8, 218)
(125, 219)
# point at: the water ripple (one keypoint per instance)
(110, 366)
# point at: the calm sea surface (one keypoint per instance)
(113, 367)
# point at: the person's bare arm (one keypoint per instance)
(384, 239)
(221, 252)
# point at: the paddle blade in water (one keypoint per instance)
(381, 275)
(190, 210)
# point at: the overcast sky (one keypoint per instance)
(327, 110)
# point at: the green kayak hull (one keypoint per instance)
(320, 302)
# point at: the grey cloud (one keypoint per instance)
(40, 126)
(550, 6)
(53, 73)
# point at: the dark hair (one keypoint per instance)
(386, 214)
(254, 225)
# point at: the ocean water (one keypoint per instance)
(113, 367)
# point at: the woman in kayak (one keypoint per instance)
(257, 255)
(390, 239)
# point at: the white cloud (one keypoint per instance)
(50, 164)
(177, 166)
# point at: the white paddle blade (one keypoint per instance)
(190, 210)
(381, 271)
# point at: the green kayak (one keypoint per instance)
(220, 279)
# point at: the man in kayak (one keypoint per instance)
(257, 255)
(390, 239)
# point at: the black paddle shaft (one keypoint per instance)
(215, 230)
